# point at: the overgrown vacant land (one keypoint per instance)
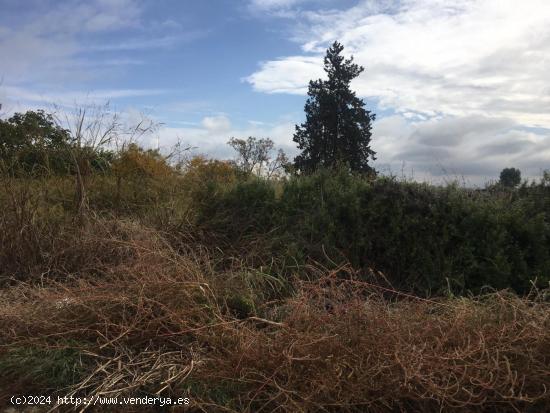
(324, 288)
(328, 292)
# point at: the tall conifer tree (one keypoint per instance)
(337, 129)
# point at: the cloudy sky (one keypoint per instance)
(461, 88)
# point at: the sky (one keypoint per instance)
(461, 89)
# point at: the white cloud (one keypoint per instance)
(216, 123)
(16, 99)
(483, 57)
(50, 42)
(44, 43)
(90, 16)
(270, 4)
(158, 42)
(267, 5)
(287, 9)
(287, 75)
(475, 148)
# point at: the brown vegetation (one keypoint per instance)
(199, 280)
(143, 317)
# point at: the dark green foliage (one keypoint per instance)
(510, 177)
(423, 238)
(245, 208)
(337, 128)
(32, 142)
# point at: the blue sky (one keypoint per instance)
(184, 59)
(461, 89)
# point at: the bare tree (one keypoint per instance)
(254, 155)
(96, 128)
(179, 154)
(277, 167)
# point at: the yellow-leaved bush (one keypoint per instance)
(202, 174)
(141, 176)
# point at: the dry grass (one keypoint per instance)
(344, 348)
(146, 319)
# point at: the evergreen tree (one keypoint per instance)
(337, 129)
(510, 177)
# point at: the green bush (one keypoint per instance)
(247, 207)
(423, 238)
(32, 143)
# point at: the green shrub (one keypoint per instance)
(246, 207)
(422, 237)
